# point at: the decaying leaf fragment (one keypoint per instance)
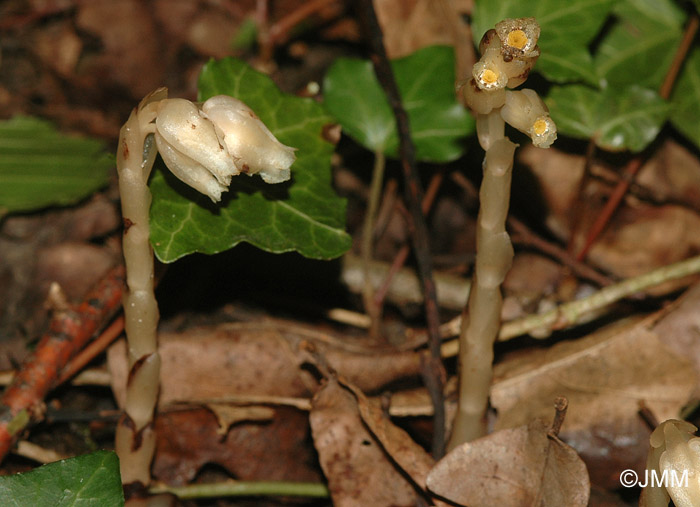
(357, 468)
(514, 467)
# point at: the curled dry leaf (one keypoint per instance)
(605, 376)
(358, 470)
(407, 454)
(514, 467)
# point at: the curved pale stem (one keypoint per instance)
(482, 316)
(135, 439)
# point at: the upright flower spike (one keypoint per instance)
(509, 52)
(204, 147)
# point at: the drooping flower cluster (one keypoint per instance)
(204, 146)
(508, 54)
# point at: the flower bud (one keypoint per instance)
(188, 144)
(247, 139)
(206, 147)
(525, 111)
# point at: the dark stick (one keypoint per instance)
(433, 372)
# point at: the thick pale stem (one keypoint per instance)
(135, 439)
(482, 316)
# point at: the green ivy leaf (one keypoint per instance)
(686, 99)
(425, 80)
(627, 119)
(567, 29)
(640, 46)
(40, 167)
(304, 215)
(88, 480)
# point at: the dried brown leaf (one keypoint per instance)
(259, 358)
(515, 467)
(411, 457)
(605, 376)
(274, 450)
(357, 468)
(131, 53)
(409, 25)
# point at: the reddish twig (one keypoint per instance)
(280, 30)
(433, 372)
(69, 331)
(635, 164)
(93, 349)
(401, 257)
(522, 235)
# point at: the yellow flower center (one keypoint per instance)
(489, 77)
(539, 127)
(517, 39)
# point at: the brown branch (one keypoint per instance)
(434, 371)
(634, 165)
(69, 331)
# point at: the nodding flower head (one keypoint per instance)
(205, 146)
(518, 37)
(525, 111)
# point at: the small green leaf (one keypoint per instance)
(567, 29)
(40, 167)
(627, 119)
(425, 80)
(641, 43)
(304, 215)
(88, 480)
(686, 99)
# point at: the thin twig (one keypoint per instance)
(434, 372)
(245, 488)
(402, 255)
(94, 348)
(522, 235)
(373, 310)
(561, 404)
(279, 31)
(69, 331)
(634, 165)
(574, 312)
